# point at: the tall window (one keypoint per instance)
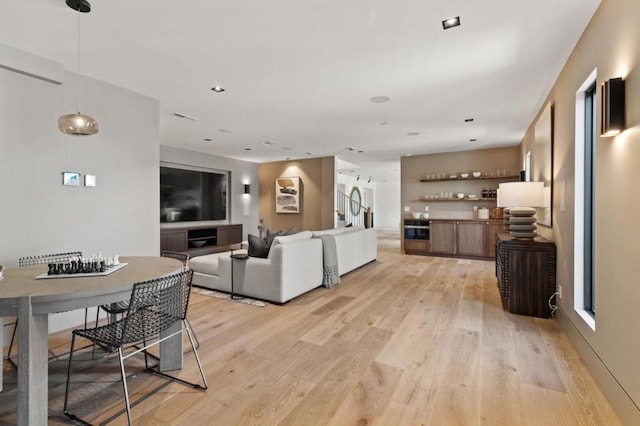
(584, 288)
(589, 193)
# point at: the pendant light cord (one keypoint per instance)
(78, 59)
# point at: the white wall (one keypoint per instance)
(244, 209)
(38, 214)
(387, 206)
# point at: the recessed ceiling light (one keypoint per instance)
(208, 139)
(185, 116)
(351, 148)
(360, 151)
(473, 140)
(268, 143)
(287, 158)
(309, 153)
(384, 123)
(413, 133)
(225, 130)
(247, 149)
(450, 23)
(380, 99)
(468, 120)
(217, 89)
(286, 148)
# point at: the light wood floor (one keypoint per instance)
(405, 340)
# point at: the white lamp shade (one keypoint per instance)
(521, 194)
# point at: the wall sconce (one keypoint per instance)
(613, 107)
(247, 188)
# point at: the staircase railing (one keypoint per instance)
(351, 211)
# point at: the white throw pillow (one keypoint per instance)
(284, 239)
(329, 232)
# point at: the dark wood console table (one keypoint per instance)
(526, 272)
(200, 239)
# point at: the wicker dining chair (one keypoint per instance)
(120, 308)
(41, 260)
(184, 258)
(154, 307)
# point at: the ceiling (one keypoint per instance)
(300, 74)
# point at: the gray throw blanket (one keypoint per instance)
(330, 274)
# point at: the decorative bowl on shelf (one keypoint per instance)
(460, 195)
(453, 176)
(472, 196)
(464, 175)
(476, 174)
(416, 215)
(199, 243)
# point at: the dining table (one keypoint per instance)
(32, 299)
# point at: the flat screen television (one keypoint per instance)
(188, 195)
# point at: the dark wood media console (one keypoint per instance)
(199, 240)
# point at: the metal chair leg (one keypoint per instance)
(195, 353)
(66, 389)
(124, 384)
(188, 324)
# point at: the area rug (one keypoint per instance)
(227, 296)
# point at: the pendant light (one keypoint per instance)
(78, 124)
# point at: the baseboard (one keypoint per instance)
(624, 406)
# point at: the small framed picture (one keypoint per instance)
(89, 180)
(71, 178)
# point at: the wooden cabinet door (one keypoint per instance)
(173, 240)
(492, 229)
(231, 234)
(442, 237)
(471, 238)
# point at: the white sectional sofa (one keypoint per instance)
(356, 246)
(294, 265)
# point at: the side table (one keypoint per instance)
(526, 272)
(234, 257)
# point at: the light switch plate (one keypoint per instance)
(89, 180)
(407, 209)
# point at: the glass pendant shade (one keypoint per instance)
(77, 124)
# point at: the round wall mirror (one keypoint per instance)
(356, 200)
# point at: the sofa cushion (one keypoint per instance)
(335, 231)
(284, 239)
(207, 264)
(354, 228)
(272, 235)
(259, 247)
(291, 231)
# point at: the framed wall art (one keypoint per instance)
(71, 178)
(288, 195)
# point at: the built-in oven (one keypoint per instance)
(416, 229)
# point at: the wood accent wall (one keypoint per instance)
(414, 168)
(317, 193)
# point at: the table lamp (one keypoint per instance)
(520, 200)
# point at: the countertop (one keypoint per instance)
(473, 218)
